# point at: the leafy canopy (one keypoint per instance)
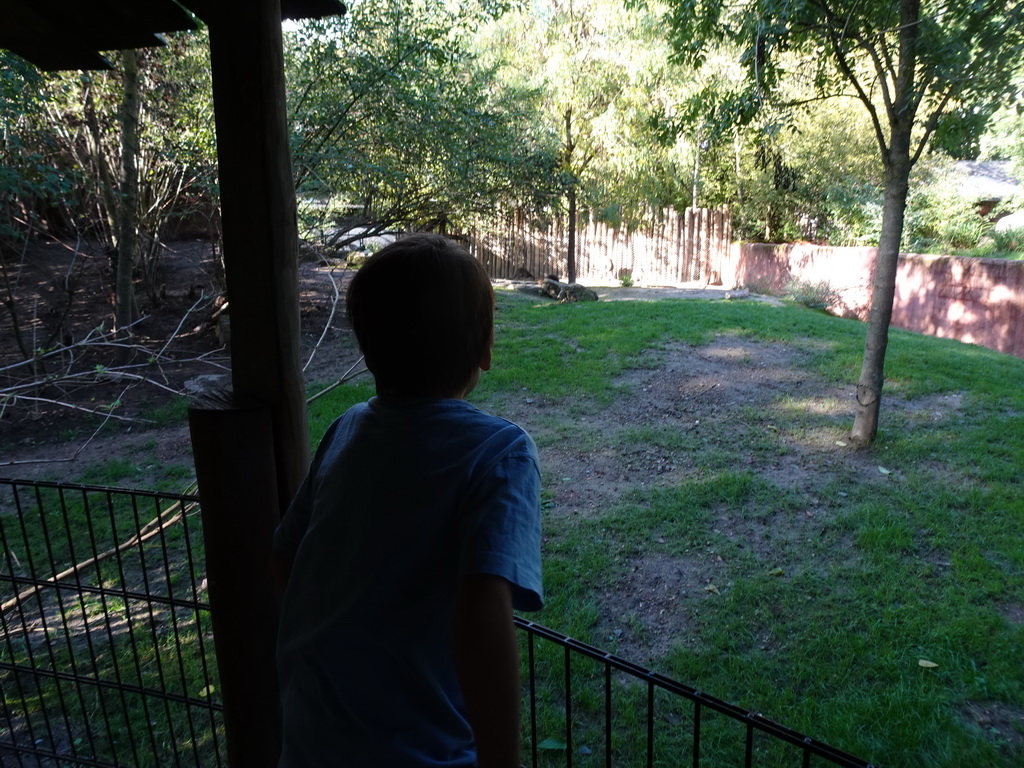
(959, 68)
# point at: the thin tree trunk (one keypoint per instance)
(696, 171)
(570, 146)
(106, 179)
(125, 308)
(869, 386)
(571, 256)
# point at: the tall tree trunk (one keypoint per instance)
(125, 308)
(571, 256)
(869, 387)
(901, 115)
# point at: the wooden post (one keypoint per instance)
(259, 220)
(234, 459)
(250, 460)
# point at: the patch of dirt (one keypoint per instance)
(62, 296)
(1001, 723)
(672, 420)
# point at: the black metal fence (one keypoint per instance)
(107, 657)
(587, 707)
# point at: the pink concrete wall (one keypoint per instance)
(978, 301)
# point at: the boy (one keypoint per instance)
(415, 534)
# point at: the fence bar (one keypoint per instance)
(756, 721)
(89, 675)
(568, 707)
(533, 699)
(696, 734)
(650, 724)
(607, 715)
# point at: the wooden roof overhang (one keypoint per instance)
(73, 34)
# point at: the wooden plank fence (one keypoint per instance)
(687, 248)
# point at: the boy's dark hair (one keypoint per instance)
(422, 310)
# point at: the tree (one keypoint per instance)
(110, 157)
(921, 68)
(397, 123)
(1005, 137)
(125, 306)
(599, 71)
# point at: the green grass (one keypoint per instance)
(324, 410)
(125, 651)
(926, 565)
(139, 471)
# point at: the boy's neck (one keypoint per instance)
(461, 393)
(399, 398)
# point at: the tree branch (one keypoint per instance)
(327, 325)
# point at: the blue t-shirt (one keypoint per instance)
(400, 501)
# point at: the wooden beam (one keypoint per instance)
(259, 219)
(255, 453)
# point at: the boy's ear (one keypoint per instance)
(485, 359)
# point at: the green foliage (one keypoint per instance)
(794, 52)
(604, 85)
(30, 181)
(62, 142)
(939, 220)
(398, 124)
(1004, 139)
(1009, 240)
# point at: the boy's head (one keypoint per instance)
(422, 310)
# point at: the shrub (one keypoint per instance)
(1009, 239)
(939, 219)
(819, 295)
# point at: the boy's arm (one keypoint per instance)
(285, 543)
(280, 572)
(487, 661)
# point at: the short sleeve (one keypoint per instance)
(501, 525)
